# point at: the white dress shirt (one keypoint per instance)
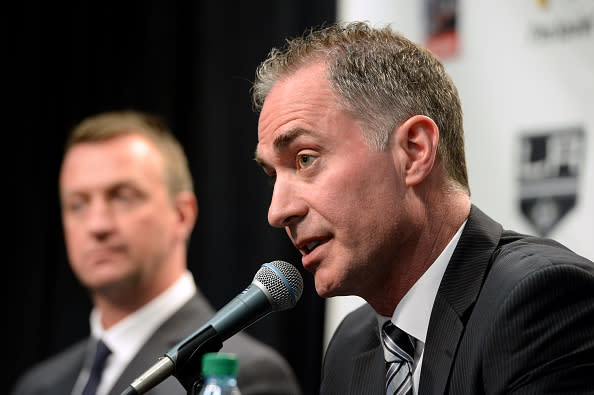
(414, 310)
(125, 338)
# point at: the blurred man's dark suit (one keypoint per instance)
(262, 370)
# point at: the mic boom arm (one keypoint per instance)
(277, 286)
(186, 368)
(188, 353)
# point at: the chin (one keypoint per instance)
(107, 279)
(326, 289)
(330, 281)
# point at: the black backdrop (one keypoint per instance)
(192, 63)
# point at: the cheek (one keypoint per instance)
(358, 190)
(154, 229)
(74, 238)
(148, 230)
(364, 204)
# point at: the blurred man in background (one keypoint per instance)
(128, 209)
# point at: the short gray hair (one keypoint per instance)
(380, 77)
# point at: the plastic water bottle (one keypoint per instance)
(220, 374)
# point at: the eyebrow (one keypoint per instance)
(125, 183)
(282, 141)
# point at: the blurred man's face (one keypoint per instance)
(119, 220)
(339, 201)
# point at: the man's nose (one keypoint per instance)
(286, 206)
(100, 220)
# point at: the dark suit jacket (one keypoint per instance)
(513, 314)
(262, 370)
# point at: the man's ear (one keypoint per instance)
(186, 206)
(416, 140)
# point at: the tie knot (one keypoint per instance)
(398, 343)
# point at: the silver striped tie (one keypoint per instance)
(399, 359)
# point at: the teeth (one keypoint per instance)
(312, 245)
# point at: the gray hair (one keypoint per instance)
(380, 77)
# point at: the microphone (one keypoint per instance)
(277, 286)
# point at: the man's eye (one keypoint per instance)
(75, 206)
(304, 161)
(123, 197)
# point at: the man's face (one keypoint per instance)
(338, 200)
(119, 220)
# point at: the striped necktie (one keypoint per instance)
(399, 349)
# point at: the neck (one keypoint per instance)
(429, 234)
(118, 301)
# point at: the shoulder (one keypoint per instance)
(530, 271)
(49, 372)
(519, 257)
(539, 300)
(262, 369)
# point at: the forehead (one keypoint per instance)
(102, 162)
(296, 104)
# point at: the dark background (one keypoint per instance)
(190, 62)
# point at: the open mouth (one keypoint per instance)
(308, 246)
(311, 245)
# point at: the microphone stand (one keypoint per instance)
(189, 373)
(186, 361)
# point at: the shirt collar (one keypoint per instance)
(414, 310)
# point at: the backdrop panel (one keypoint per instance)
(524, 74)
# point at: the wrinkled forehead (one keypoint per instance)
(292, 101)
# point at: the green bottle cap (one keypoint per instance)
(220, 364)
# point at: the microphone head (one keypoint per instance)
(283, 282)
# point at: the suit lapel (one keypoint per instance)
(457, 293)
(366, 377)
(181, 324)
(62, 382)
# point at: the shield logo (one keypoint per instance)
(549, 173)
